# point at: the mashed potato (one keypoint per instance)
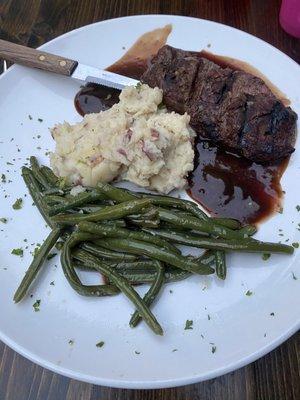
(134, 140)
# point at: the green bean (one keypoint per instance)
(87, 209)
(117, 223)
(126, 267)
(149, 219)
(78, 200)
(72, 277)
(242, 245)
(144, 223)
(144, 272)
(36, 265)
(138, 272)
(82, 266)
(107, 213)
(221, 268)
(122, 283)
(52, 179)
(121, 195)
(52, 199)
(54, 190)
(157, 253)
(227, 222)
(110, 231)
(39, 176)
(107, 254)
(33, 188)
(147, 275)
(248, 230)
(117, 194)
(151, 294)
(206, 226)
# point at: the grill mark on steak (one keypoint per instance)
(231, 107)
(225, 88)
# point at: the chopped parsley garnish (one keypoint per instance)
(295, 245)
(138, 85)
(40, 119)
(173, 351)
(71, 342)
(272, 314)
(3, 220)
(18, 204)
(208, 317)
(17, 252)
(294, 276)
(266, 256)
(30, 117)
(214, 349)
(137, 352)
(298, 208)
(36, 305)
(9, 163)
(35, 251)
(51, 255)
(52, 283)
(249, 293)
(188, 324)
(3, 178)
(100, 344)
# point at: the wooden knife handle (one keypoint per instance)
(36, 58)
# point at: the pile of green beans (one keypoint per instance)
(130, 239)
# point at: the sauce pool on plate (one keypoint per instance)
(225, 184)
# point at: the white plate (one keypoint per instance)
(241, 327)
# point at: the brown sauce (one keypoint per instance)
(226, 184)
(94, 98)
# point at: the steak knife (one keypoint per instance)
(63, 66)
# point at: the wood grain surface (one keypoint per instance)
(33, 22)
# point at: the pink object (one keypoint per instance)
(290, 17)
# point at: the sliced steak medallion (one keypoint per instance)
(232, 107)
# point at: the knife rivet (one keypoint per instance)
(42, 58)
(62, 63)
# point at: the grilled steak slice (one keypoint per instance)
(231, 107)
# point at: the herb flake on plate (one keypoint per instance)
(100, 344)
(188, 324)
(18, 204)
(36, 305)
(17, 252)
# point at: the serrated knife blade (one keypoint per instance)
(88, 74)
(60, 65)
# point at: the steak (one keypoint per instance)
(231, 107)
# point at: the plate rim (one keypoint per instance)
(166, 383)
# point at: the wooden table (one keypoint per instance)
(33, 22)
